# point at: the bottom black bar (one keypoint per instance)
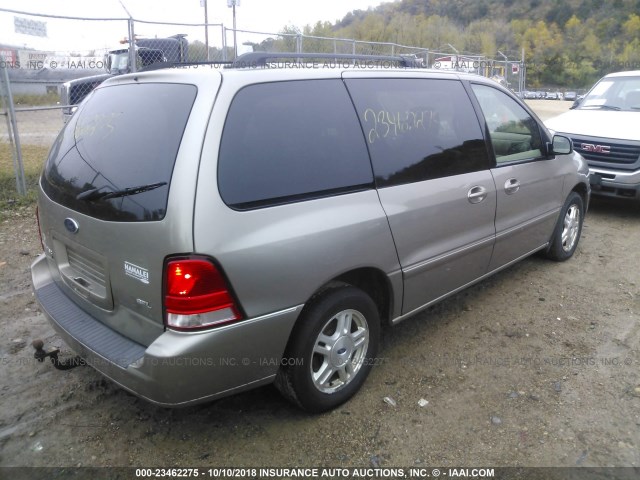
(497, 473)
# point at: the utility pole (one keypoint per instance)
(133, 55)
(506, 65)
(522, 72)
(203, 3)
(233, 4)
(457, 56)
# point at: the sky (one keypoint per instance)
(268, 16)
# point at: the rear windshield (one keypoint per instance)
(114, 159)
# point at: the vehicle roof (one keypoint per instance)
(305, 70)
(631, 73)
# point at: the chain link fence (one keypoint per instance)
(505, 71)
(250, 41)
(48, 64)
(10, 146)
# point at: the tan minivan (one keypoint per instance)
(211, 230)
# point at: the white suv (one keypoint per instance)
(604, 129)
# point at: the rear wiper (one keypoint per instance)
(96, 194)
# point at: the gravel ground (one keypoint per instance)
(537, 366)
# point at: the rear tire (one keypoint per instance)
(568, 230)
(330, 352)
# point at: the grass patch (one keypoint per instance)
(22, 100)
(33, 158)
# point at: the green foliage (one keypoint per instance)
(23, 100)
(198, 52)
(567, 43)
(33, 158)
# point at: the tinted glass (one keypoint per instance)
(418, 129)
(515, 135)
(291, 141)
(123, 137)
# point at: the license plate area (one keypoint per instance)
(595, 179)
(84, 271)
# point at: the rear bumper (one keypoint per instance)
(177, 369)
(614, 183)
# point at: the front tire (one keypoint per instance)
(568, 230)
(330, 351)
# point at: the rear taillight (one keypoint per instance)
(197, 295)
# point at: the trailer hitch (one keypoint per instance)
(40, 355)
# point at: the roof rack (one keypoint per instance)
(161, 65)
(260, 59)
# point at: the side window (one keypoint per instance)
(515, 135)
(291, 141)
(418, 129)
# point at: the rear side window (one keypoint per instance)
(291, 141)
(114, 159)
(418, 129)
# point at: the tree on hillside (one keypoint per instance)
(568, 43)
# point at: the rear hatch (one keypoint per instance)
(117, 197)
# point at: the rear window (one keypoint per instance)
(291, 141)
(114, 159)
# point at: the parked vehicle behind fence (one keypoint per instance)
(148, 51)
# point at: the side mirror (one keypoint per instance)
(561, 145)
(576, 103)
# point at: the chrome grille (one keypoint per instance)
(602, 152)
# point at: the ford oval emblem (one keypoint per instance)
(71, 225)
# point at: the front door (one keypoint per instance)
(528, 184)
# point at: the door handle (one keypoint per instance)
(476, 194)
(511, 186)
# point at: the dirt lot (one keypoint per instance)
(537, 366)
